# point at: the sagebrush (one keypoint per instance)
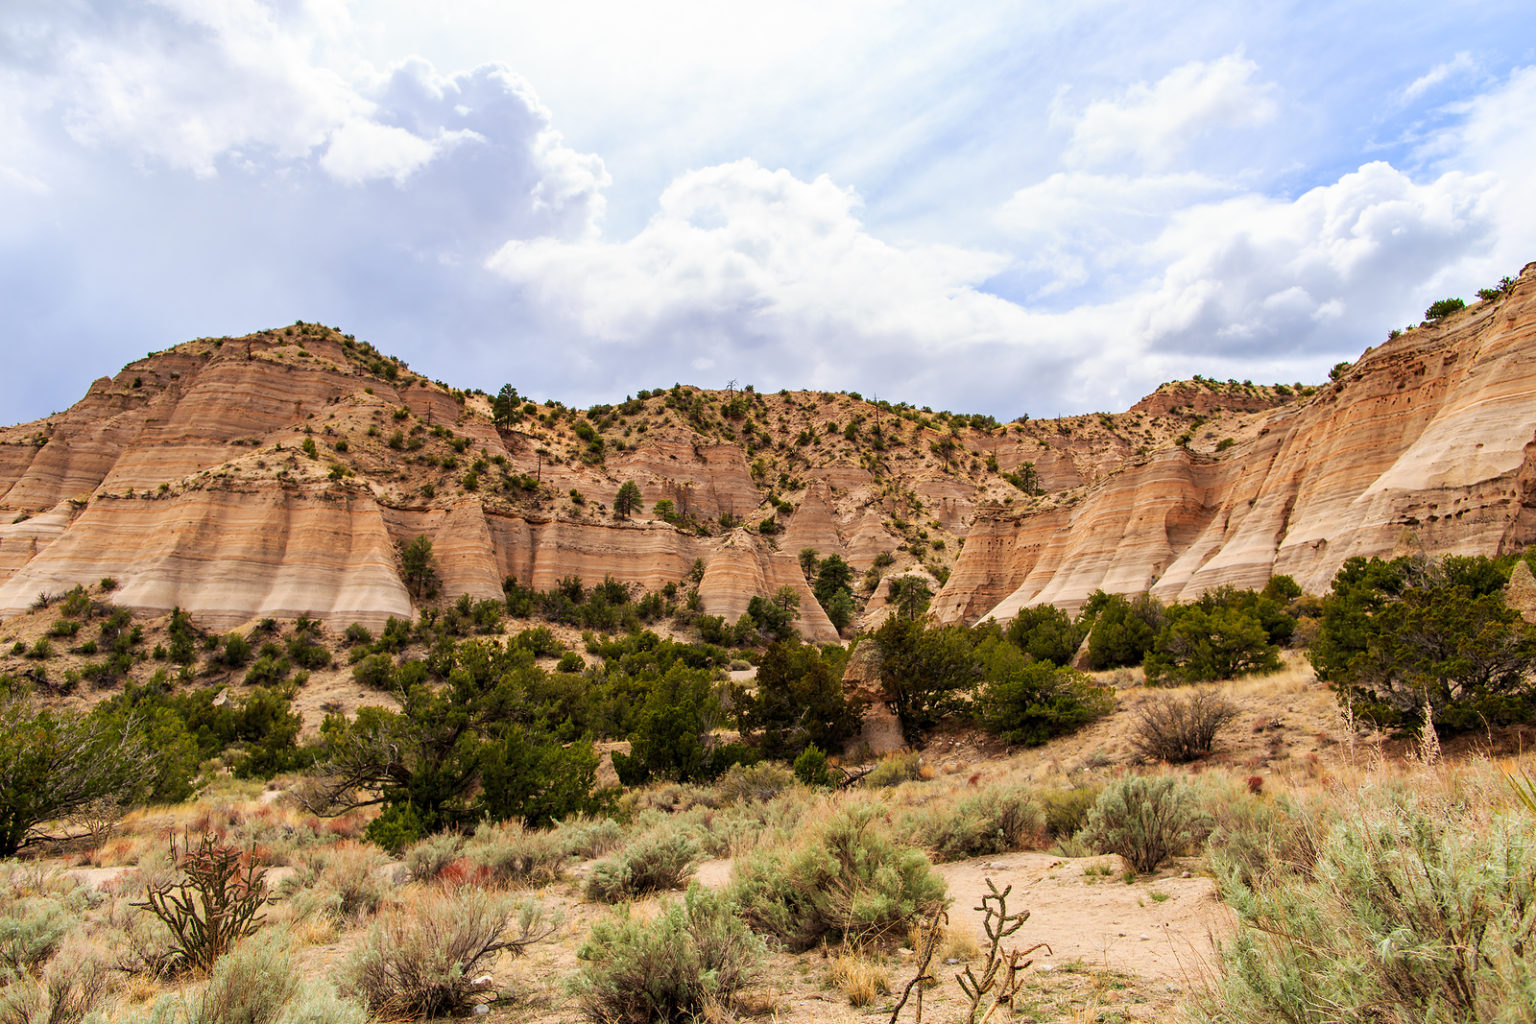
(1145, 819)
(686, 964)
(845, 879)
(419, 960)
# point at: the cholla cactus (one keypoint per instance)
(216, 905)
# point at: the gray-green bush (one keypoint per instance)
(845, 879)
(425, 860)
(255, 983)
(31, 929)
(1254, 836)
(318, 1002)
(420, 961)
(687, 964)
(66, 992)
(590, 837)
(343, 882)
(1411, 913)
(652, 863)
(1145, 819)
(994, 821)
(757, 783)
(509, 854)
(252, 984)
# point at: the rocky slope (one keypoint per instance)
(277, 474)
(1430, 436)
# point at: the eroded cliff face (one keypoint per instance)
(277, 474)
(1431, 432)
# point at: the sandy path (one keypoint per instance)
(1098, 918)
(1161, 928)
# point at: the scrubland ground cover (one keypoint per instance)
(638, 838)
(1357, 878)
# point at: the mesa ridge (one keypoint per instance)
(276, 474)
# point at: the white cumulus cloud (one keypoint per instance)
(1497, 138)
(1076, 225)
(1252, 273)
(362, 151)
(192, 83)
(1154, 124)
(776, 276)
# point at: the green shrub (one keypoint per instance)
(236, 651)
(1030, 702)
(1145, 819)
(418, 568)
(756, 783)
(1123, 630)
(846, 879)
(894, 769)
(1046, 633)
(510, 854)
(540, 641)
(307, 652)
(651, 864)
(396, 827)
(1443, 308)
(420, 960)
(687, 964)
(925, 674)
(76, 603)
(376, 671)
(811, 767)
(1197, 644)
(994, 821)
(669, 738)
(425, 860)
(1067, 809)
(531, 776)
(1417, 912)
(799, 700)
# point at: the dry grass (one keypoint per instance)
(861, 977)
(1287, 733)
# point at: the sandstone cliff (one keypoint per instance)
(1433, 430)
(276, 475)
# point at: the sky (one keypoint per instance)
(1022, 208)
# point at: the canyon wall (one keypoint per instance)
(277, 475)
(1429, 435)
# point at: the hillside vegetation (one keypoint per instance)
(456, 831)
